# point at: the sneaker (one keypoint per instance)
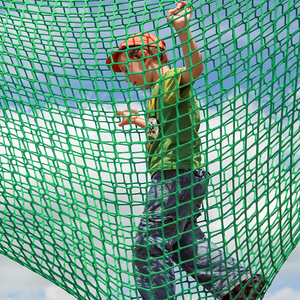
(248, 287)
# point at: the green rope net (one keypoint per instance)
(73, 184)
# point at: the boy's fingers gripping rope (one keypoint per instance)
(179, 17)
(179, 6)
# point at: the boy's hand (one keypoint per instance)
(181, 19)
(125, 113)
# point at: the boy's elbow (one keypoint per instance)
(190, 75)
(198, 65)
(197, 70)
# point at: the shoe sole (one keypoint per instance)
(258, 288)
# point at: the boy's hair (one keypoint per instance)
(162, 58)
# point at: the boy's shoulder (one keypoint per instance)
(170, 77)
(169, 86)
(172, 72)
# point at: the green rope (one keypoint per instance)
(73, 184)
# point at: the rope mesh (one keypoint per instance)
(73, 184)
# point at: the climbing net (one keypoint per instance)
(73, 184)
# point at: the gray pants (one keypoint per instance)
(168, 233)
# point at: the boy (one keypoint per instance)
(168, 231)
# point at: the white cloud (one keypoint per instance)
(55, 293)
(20, 283)
(285, 293)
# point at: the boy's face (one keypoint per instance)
(134, 66)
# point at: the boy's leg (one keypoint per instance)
(154, 267)
(206, 262)
(169, 208)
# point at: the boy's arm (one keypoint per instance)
(134, 118)
(189, 46)
(191, 61)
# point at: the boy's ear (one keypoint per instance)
(144, 54)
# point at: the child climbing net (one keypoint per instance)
(168, 231)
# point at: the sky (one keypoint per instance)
(18, 283)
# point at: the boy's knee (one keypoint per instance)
(150, 250)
